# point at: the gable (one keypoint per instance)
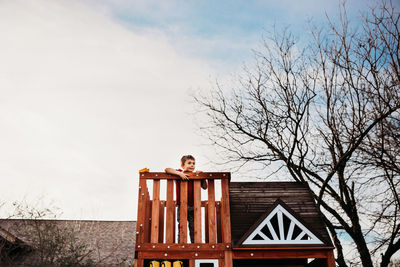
(280, 227)
(251, 202)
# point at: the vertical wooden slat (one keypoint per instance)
(155, 211)
(191, 263)
(225, 217)
(141, 206)
(169, 233)
(212, 236)
(183, 212)
(161, 223)
(219, 226)
(197, 211)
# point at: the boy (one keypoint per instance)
(188, 165)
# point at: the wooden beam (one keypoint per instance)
(181, 255)
(197, 211)
(228, 259)
(225, 217)
(183, 212)
(181, 247)
(330, 261)
(212, 236)
(219, 223)
(193, 176)
(257, 247)
(155, 211)
(169, 233)
(161, 223)
(141, 207)
(280, 254)
(139, 263)
(147, 217)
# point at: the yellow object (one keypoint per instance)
(144, 170)
(177, 264)
(154, 264)
(166, 264)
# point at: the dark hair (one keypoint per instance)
(185, 158)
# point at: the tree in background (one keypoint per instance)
(48, 242)
(327, 114)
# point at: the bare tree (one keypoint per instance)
(328, 114)
(34, 237)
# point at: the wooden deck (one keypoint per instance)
(156, 225)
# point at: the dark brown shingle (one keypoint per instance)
(251, 200)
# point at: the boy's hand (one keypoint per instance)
(183, 176)
(198, 172)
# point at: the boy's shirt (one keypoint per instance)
(190, 199)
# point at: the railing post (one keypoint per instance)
(211, 213)
(219, 223)
(226, 224)
(183, 212)
(141, 207)
(330, 261)
(155, 211)
(205, 221)
(169, 233)
(161, 223)
(226, 217)
(147, 218)
(197, 211)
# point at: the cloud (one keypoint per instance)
(85, 102)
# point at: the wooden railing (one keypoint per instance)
(156, 211)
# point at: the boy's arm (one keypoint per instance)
(177, 173)
(203, 182)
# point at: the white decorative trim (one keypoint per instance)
(279, 237)
(213, 261)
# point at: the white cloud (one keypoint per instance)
(85, 103)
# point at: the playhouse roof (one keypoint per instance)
(252, 203)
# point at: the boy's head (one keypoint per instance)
(188, 163)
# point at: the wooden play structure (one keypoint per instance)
(235, 224)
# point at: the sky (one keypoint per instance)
(92, 91)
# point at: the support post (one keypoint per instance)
(330, 261)
(183, 212)
(197, 211)
(226, 223)
(212, 236)
(169, 233)
(141, 206)
(155, 211)
(228, 259)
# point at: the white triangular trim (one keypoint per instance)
(279, 238)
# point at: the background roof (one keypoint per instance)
(111, 241)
